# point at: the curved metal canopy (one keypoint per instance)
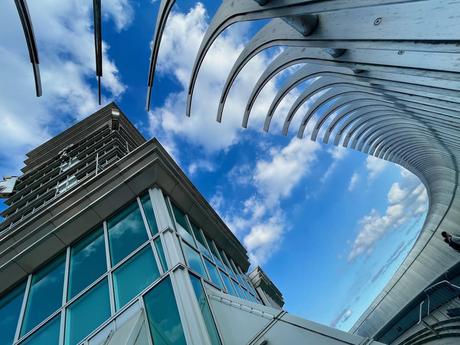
(379, 76)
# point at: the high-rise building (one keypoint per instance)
(106, 241)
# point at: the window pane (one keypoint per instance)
(215, 256)
(194, 260)
(126, 232)
(148, 210)
(87, 313)
(213, 273)
(205, 310)
(228, 284)
(200, 240)
(163, 316)
(161, 254)
(182, 226)
(10, 307)
(45, 295)
(46, 335)
(134, 276)
(87, 262)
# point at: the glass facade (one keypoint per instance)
(10, 307)
(118, 264)
(134, 276)
(163, 316)
(87, 313)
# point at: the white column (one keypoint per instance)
(189, 310)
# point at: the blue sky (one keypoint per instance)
(329, 226)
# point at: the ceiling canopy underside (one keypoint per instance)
(380, 77)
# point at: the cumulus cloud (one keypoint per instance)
(353, 181)
(276, 177)
(180, 43)
(407, 199)
(64, 36)
(375, 167)
(262, 223)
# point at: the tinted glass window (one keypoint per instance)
(161, 254)
(213, 273)
(45, 295)
(126, 232)
(194, 260)
(163, 316)
(200, 240)
(87, 313)
(46, 335)
(215, 255)
(10, 307)
(148, 210)
(205, 310)
(228, 285)
(87, 262)
(134, 276)
(182, 227)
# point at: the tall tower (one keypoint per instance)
(106, 241)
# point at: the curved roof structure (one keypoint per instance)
(383, 79)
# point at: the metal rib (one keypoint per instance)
(26, 21)
(163, 13)
(97, 15)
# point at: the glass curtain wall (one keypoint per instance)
(207, 260)
(102, 274)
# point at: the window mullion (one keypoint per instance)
(23, 308)
(109, 264)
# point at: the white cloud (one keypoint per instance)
(276, 177)
(337, 153)
(201, 165)
(407, 199)
(63, 31)
(353, 181)
(375, 167)
(261, 222)
(179, 46)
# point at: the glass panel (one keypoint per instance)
(163, 316)
(194, 261)
(205, 310)
(126, 232)
(228, 284)
(200, 240)
(213, 273)
(87, 262)
(46, 335)
(134, 276)
(226, 263)
(215, 255)
(148, 210)
(161, 254)
(182, 226)
(45, 295)
(87, 313)
(10, 307)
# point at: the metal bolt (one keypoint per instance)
(400, 52)
(377, 21)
